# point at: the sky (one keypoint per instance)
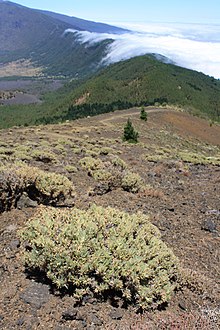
(184, 11)
(187, 32)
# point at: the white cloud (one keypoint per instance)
(194, 46)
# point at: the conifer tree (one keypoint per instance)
(130, 134)
(143, 114)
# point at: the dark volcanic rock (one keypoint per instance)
(25, 201)
(116, 314)
(69, 314)
(182, 305)
(36, 295)
(15, 244)
(209, 225)
(93, 320)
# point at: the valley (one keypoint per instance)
(27, 91)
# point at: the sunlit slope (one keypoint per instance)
(145, 81)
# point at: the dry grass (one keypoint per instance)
(22, 68)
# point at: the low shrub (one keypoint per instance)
(112, 174)
(44, 187)
(118, 162)
(71, 169)
(132, 182)
(101, 251)
(91, 164)
(44, 156)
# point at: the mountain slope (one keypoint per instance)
(85, 25)
(31, 34)
(22, 28)
(135, 82)
(145, 81)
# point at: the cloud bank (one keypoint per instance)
(191, 46)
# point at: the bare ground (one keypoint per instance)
(183, 203)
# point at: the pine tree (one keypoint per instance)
(143, 114)
(130, 134)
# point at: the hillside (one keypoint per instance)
(39, 38)
(145, 81)
(85, 25)
(136, 82)
(174, 182)
(22, 28)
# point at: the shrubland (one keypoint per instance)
(102, 251)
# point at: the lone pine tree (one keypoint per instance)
(130, 134)
(143, 114)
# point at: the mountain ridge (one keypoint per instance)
(35, 35)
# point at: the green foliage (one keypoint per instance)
(113, 174)
(118, 162)
(143, 114)
(141, 81)
(91, 164)
(132, 182)
(45, 187)
(144, 81)
(44, 156)
(102, 250)
(71, 168)
(130, 135)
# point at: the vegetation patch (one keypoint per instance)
(112, 174)
(102, 251)
(44, 187)
(132, 182)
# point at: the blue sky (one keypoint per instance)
(185, 11)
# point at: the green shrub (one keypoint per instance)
(105, 151)
(90, 163)
(44, 187)
(100, 251)
(118, 162)
(132, 182)
(71, 168)
(102, 175)
(44, 156)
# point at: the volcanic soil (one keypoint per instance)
(178, 158)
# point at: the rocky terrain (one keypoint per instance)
(178, 160)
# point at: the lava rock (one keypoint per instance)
(92, 319)
(20, 322)
(69, 314)
(15, 244)
(25, 201)
(36, 295)
(116, 314)
(182, 305)
(209, 225)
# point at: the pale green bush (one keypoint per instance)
(90, 163)
(132, 182)
(44, 187)
(100, 251)
(71, 168)
(44, 156)
(118, 162)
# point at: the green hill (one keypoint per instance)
(145, 81)
(139, 81)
